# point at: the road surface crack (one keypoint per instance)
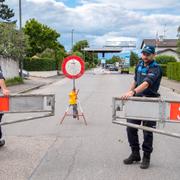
(40, 162)
(73, 160)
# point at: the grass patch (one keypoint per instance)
(14, 81)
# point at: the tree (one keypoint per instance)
(178, 42)
(41, 37)
(89, 57)
(80, 45)
(133, 59)
(47, 53)
(13, 43)
(5, 12)
(178, 34)
(114, 59)
(77, 53)
(59, 56)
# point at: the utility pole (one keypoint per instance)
(20, 29)
(20, 15)
(165, 31)
(157, 39)
(72, 39)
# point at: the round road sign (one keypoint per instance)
(73, 67)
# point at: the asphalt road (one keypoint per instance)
(45, 150)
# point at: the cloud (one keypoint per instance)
(138, 4)
(111, 38)
(102, 20)
(41, 1)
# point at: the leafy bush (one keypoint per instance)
(173, 71)
(164, 69)
(164, 59)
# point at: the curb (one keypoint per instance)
(32, 88)
(47, 76)
(173, 90)
(35, 87)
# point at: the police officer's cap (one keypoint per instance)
(149, 49)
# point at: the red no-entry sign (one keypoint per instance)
(73, 67)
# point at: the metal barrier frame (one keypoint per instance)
(163, 105)
(48, 113)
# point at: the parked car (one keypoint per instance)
(25, 73)
(112, 67)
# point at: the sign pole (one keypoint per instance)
(73, 68)
(74, 85)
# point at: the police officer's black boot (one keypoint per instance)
(134, 157)
(146, 161)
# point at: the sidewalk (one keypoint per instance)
(43, 74)
(171, 84)
(34, 82)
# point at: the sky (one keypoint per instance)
(103, 21)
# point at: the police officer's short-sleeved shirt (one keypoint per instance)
(151, 74)
(1, 74)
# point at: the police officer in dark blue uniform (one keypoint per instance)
(146, 83)
(5, 92)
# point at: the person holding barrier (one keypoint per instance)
(5, 92)
(146, 83)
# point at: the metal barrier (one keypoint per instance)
(146, 109)
(31, 103)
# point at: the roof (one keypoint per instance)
(172, 43)
(104, 49)
(161, 51)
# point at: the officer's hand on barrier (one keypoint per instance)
(127, 95)
(5, 92)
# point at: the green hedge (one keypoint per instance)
(39, 64)
(164, 59)
(173, 71)
(164, 69)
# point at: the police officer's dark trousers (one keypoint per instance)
(133, 138)
(0, 126)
